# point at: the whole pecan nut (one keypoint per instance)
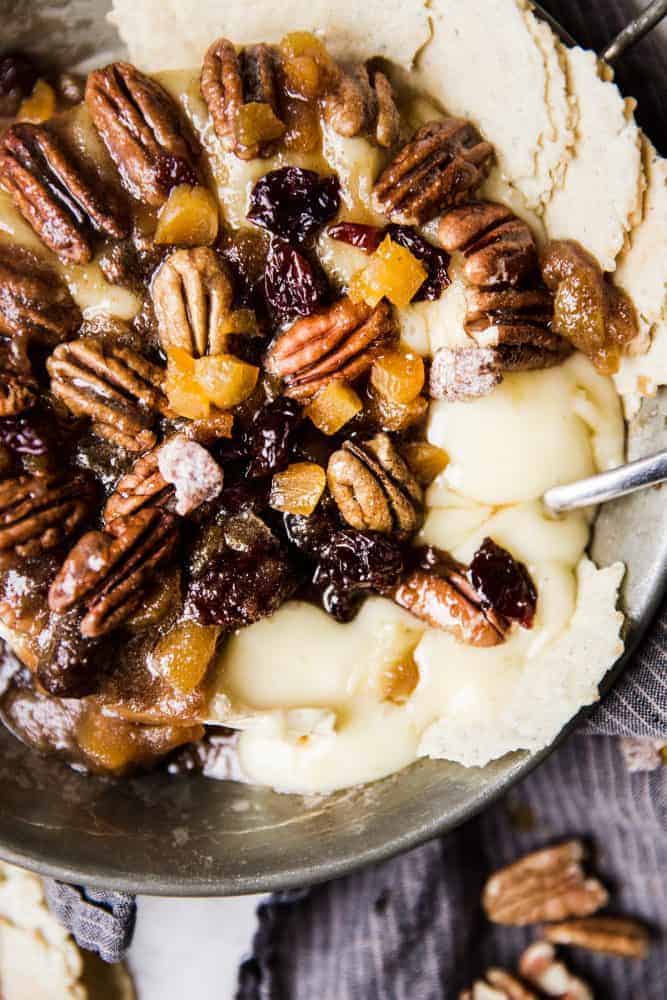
(540, 967)
(339, 342)
(464, 373)
(608, 935)
(447, 604)
(498, 246)
(192, 295)
(39, 512)
(107, 572)
(546, 885)
(34, 302)
(57, 193)
(498, 984)
(142, 129)
(230, 80)
(143, 486)
(362, 103)
(513, 316)
(374, 488)
(113, 385)
(442, 164)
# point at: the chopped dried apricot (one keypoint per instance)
(392, 272)
(298, 489)
(399, 680)
(186, 396)
(181, 360)
(396, 417)
(426, 461)
(183, 655)
(308, 67)
(106, 740)
(188, 218)
(39, 106)
(333, 407)
(398, 376)
(225, 379)
(257, 122)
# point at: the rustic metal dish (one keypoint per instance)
(191, 836)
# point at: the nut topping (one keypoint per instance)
(512, 316)
(363, 103)
(441, 166)
(113, 385)
(374, 488)
(447, 605)
(17, 393)
(142, 130)
(38, 513)
(57, 195)
(540, 967)
(107, 572)
(192, 470)
(498, 985)
(609, 935)
(340, 342)
(34, 302)
(232, 81)
(143, 486)
(546, 885)
(192, 295)
(464, 373)
(499, 247)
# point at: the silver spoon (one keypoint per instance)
(608, 485)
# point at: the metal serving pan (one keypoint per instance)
(192, 836)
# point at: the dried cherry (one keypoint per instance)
(269, 438)
(353, 564)
(293, 203)
(18, 76)
(293, 286)
(503, 584)
(363, 237)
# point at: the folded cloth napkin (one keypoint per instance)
(413, 926)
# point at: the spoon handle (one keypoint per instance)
(608, 485)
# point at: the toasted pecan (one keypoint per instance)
(363, 103)
(447, 605)
(608, 935)
(540, 967)
(192, 295)
(34, 302)
(39, 512)
(498, 246)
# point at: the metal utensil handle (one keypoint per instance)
(635, 31)
(608, 485)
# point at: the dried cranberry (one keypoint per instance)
(18, 76)
(173, 170)
(503, 584)
(269, 437)
(293, 203)
(353, 564)
(366, 238)
(434, 258)
(293, 286)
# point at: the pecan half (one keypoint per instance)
(39, 512)
(17, 393)
(442, 164)
(143, 486)
(339, 342)
(57, 193)
(447, 604)
(540, 967)
(513, 316)
(609, 935)
(498, 985)
(192, 295)
(464, 373)
(141, 127)
(374, 488)
(113, 385)
(230, 80)
(362, 103)
(546, 885)
(498, 246)
(33, 300)
(108, 571)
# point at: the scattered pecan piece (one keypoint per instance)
(17, 393)
(108, 571)
(499, 247)
(39, 512)
(546, 885)
(447, 604)
(192, 470)
(143, 486)
(33, 300)
(57, 193)
(609, 935)
(363, 103)
(374, 488)
(338, 342)
(540, 967)
(192, 295)
(113, 385)
(442, 164)
(498, 985)
(230, 80)
(141, 127)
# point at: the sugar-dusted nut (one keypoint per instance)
(232, 81)
(57, 193)
(338, 342)
(540, 967)
(362, 103)
(39, 512)
(458, 375)
(113, 385)
(142, 129)
(547, 885)
(108, 571)
(192, 471)
(374, 488)
(442, 164)
(498, 985)
(192, 295)
(499, 247)
(34, 302)
(609, 935)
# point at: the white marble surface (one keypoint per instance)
(191, 947)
